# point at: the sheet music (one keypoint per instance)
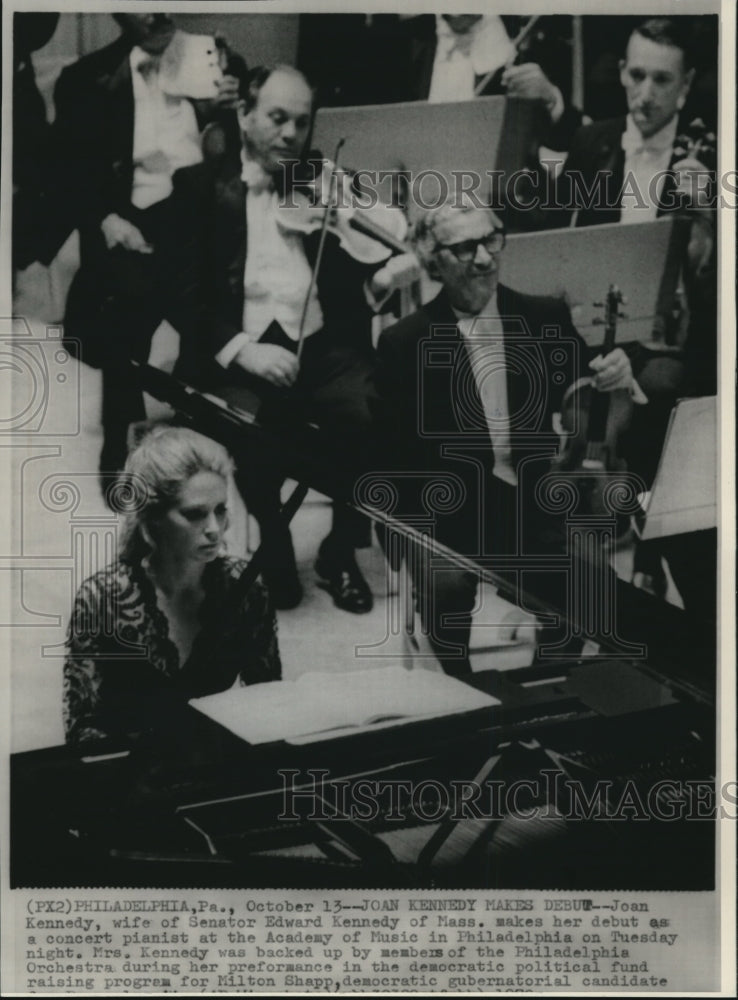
(327, 927)
(683, 494)
(321, 705)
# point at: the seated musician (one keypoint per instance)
(477, 406)
(258, 304)
(638, 168)
(635, 168)
(117, 138)
(166, 619)
(386, 58)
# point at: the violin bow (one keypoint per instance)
(517, 42)
(318, 256)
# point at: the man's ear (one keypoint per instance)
(242, 114)
(682, 99)
(148, 533)
(621, 68)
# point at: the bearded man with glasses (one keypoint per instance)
(468, 387)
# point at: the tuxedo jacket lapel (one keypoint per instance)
(509, 314)
(465, 407)
(468, 415)
(610, 157)
(610, 161)
(668, 188)
(421, 56)
(529, 383)
(120, 114)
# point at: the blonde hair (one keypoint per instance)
(155, 472)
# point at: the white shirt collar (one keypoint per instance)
(254, 175)
(490, 311)
(487, 43)
(141, 61)
(659, 142)
(448, 39)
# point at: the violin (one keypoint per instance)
(692, 242)
(593, 422)
(369, 233)
(697, 142)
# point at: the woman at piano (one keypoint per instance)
(165, 622)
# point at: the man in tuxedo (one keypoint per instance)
(467, 389)
(383, 58)
(31, 136)
(252, 277)
(634, 168)
(118, 138)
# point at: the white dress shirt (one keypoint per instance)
(645, 159)
(462, 57)
(484, 339)
(277, 273)
(165, 133)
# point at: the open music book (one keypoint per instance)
(324, 705)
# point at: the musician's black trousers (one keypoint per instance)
(117, 300)
(446, 595)
(332, 390)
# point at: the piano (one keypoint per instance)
(588, 773)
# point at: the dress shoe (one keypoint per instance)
(654, 583)
(344, 582)
(648, 570)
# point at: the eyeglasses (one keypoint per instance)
(466, 251)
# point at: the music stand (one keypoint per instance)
(684, 494)
(581, 264)
(488, 133)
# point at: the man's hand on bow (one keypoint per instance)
(227, 96)
(399, 272)
(613, 371)
(269, 361)
(230, 64)
(529, 82)
(332, 187)
(121, 232)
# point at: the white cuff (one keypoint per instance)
(556, 107)
(376, 304)
(226, 354)
(637, 394)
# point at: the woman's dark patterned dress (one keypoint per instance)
(121, 664)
